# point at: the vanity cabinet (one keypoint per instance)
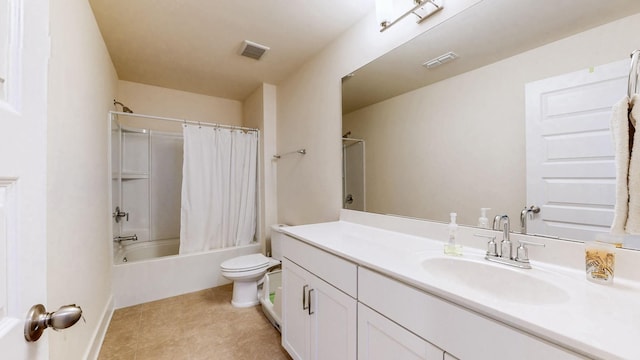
(334, 309)
(319, 303)
(462, 333)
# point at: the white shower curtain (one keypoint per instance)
(218, 188)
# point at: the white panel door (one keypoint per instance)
(570, 152)
(24, 49)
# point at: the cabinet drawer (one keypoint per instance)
(380, 339)
(338, 272)
(461, 332)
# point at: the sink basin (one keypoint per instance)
(494, 280)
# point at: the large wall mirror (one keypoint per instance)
(424, 141)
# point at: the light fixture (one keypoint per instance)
(444, 58)
(386, 10)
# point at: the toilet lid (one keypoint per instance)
(245, 262)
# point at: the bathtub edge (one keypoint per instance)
(139, 282)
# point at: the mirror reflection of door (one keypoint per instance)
(353, 170)
(570, 154)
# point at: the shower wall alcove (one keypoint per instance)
(146, 181)
(146, 188)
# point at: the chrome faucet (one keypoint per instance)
(504, 254)
(506, 250)
(526, 214)
(118, 214)
(120, 239)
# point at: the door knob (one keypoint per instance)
(38, 319)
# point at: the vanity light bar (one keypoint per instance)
(442, 59)
(419, 10)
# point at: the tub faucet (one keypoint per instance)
(120, 239)
(118, 215)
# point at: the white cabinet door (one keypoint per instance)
(319, 321)
(448, 356)
(296, 337)
(333, 323)
(380, 338)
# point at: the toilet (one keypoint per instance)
(248, 270)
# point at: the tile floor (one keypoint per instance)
(199, 325)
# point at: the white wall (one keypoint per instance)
(158, 101)
(460, 144)
(309, 116)
(82, 84)
(259, 111)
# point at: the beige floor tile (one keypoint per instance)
(130, 355)
(199, 325)
(120, 341)
(164, 352)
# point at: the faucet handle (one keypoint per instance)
(522, 253)
(492, 247)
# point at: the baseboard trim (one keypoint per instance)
(98, 336)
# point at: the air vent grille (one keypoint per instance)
(253, 50)
(442, 59)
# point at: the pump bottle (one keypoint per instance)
(483, 222)
(451, 247)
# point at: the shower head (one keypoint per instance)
(124, 108)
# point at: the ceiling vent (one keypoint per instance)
(253, 50)
(442, 59)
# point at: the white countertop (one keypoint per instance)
(599, 321)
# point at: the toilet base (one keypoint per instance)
(245, 294)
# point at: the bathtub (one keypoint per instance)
(146, 250)
(145, 277)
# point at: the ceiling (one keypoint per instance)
(194, 45)
(482, 34)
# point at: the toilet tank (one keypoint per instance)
(276, 241)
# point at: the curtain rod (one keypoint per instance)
(184, 121)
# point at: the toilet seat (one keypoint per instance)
(246, 263)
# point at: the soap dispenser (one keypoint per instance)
(451, 248)
(483, 222)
